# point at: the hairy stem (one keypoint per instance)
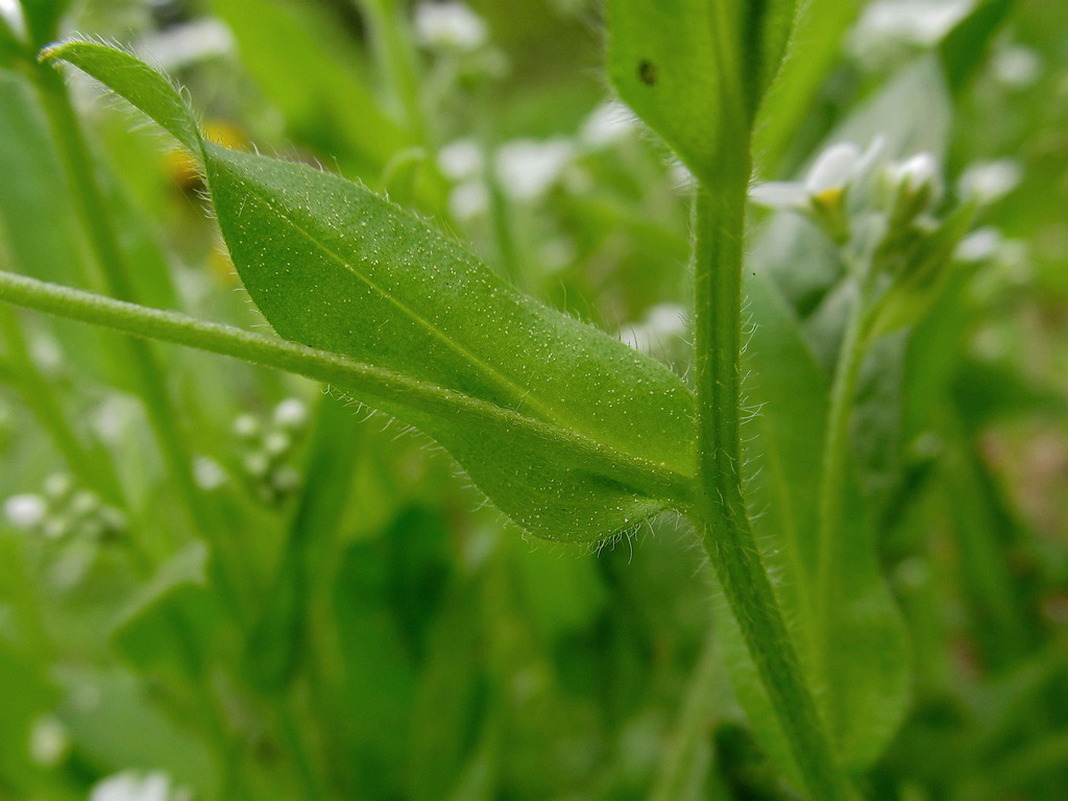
(719, 228)
(379, 387)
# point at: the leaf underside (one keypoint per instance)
(334, 266)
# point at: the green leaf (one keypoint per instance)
(322, 94)
(279, 639)
(965, 47)
(156, 631)
(696, 70)
(135, 81)
(42, 18)
(863, 690)
(333, 266)
(814, 50)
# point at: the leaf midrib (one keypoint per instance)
(522, 396)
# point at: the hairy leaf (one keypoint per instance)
(333, 266)
(696, 75)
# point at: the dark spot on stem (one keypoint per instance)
(647, 72)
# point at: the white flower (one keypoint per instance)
(460, 159)
(468, 199)
(527, 168)
(277, 443)
(607, 124)
(246, 426)
(663, 322)
(915, 172)
(189, 43)
(49, 741)
(449, 26)
(25, 512)
(979, 245)
(208, 474)
(1016, 67)
(291, 414)
(830, 176)
(915, 185)
(133, 786)
(915, 22)
(11, 11)
(988, 181)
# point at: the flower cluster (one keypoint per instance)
(63, 511)
(884, 215)
(267, 449)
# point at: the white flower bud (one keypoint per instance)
(460, 159)
(208, 474)
(246, 426)
(49, 741)
(26, 511)
(527, 168)
(257, 464)
(58, 485)
(276, 443)
(133, 786)
(291, 414)
(988, 181)
(449, 26)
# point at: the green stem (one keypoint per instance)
(163, 417)
(392, 392)
(835, 460)
(719, 227)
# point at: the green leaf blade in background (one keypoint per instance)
(864, 690)
(697, 76)
(335, 267)
(324, 96)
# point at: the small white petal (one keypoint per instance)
(246, 426)
(83, 503)
(257, 464)
(916, 22)
(58, 485)
(607, 124)
(917, 170)
(189, 43)
(449, 25)
(460, 159)
(285, 479)
(277, 443)
(291, 413)
(11, 11)
(979, 245)
(833, 169)
(527, 168)
(208, 474)
(132, 786)
(1016, 67)
(49, 741)
(988, 181)
(780, 195)
(26, 511)
(468, 200)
